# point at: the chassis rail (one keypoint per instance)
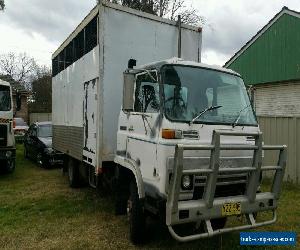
(209, 207)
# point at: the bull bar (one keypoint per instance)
(210, 207)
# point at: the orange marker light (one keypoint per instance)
(168, 134)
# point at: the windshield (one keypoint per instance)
(20, 122)
(188, 91)
(5, 102)
(45, 130)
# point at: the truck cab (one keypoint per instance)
(7, 140)
(189, 135)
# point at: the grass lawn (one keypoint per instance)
(38, 210)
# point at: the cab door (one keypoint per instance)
(144, 126)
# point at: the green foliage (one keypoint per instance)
(41, 94)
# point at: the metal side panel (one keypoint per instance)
(69, 140)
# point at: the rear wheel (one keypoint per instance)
(73, 173)
(136, 215)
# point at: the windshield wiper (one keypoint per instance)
(203, 112)
(239, 115)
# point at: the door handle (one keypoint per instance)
(131, 128)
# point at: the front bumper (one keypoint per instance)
(52, 159)
(209, 207)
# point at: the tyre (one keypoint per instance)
(136, 216)
(122, 194)
(73, 173)
(10, 166)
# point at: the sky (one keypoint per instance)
(38, 27)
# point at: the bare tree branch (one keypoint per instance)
(21, 67)
(2, 5)
(166, 8)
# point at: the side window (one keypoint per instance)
(146, 93)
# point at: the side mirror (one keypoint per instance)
(128, 91)
(18, 101)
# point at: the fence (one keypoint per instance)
(283, 130)
(39, 117)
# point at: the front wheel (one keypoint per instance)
(136, 215)
(10, 166)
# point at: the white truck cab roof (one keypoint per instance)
(4, 83)
(180, 61)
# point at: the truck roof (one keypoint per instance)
(4, 83)
(179, 61)
(119, 7)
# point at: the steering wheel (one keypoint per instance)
(178, 109)
(176, 98)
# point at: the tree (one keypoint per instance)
(142, 5)
(166, 8)
(2, 5)
(172, 8)
(21, 67)
(41, 99)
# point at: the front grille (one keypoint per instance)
(227, 185)
(3, 135)
(223, 179)
(190, 134)
(221, 191)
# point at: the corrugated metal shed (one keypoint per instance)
(273, 54)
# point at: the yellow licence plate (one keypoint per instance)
(231, 209)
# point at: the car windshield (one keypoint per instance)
(188, 91)
(20, 122)
(5, 102)
(45, 130)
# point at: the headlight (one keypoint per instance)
(8, 154)
(48, 150)
(187, 182)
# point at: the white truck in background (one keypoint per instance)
(7, 139)
(176, 138)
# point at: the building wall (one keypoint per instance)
(278, 99)
(277, 106)
(23, 112)
(40, 117)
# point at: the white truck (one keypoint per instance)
(7, 139)
(176, 138)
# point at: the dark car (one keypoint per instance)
(38, 145)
